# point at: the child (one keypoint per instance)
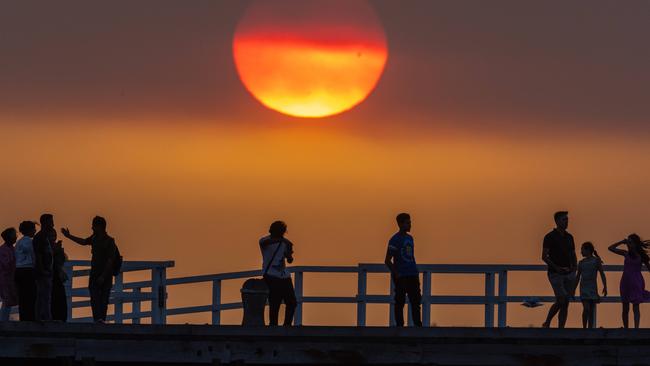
(587, 268)
(632, 283)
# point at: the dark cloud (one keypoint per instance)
(498, 64)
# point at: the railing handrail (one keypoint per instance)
(495, 294)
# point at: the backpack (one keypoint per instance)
(117, 262)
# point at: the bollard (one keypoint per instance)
(254, 294)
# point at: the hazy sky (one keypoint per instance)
(488, 118)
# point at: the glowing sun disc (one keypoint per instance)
(310, 58)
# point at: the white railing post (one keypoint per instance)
(426, 299)
(391, 302)
(362, 280)
(298, 288)
(216, 302)
(503, 301)
(489, 299)
(159, 289)
(136, 310)
(118, 291)
(68, 268)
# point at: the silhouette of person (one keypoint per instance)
(43, 268)
(400, 259)
(102, 265)
(275, 250)
(559, 254)
(8, 293)
(632, 288)
(25, 279)
(59, 278)
(588, 268)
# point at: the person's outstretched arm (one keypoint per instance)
(614, 248)
(76, 239)
(602, 277)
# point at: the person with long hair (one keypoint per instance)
(632, 283)
(276, 251)
(588, 268)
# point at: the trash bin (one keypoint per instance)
(254, 294)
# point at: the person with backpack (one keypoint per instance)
(275, 250)
(105, 263)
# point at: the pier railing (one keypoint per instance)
(494, 298)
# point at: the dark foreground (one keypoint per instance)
(89, 344)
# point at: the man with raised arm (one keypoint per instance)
(102, 265)
(400, 259)
(560, 255)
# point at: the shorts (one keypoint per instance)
(564, 284)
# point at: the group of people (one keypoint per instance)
(565, 273)
(33, 276)
(32, 273)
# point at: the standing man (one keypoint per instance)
(400, 259)
(275, 249)
(43, 267)
(102, 266)
(560, 255)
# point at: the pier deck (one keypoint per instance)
(116, 344)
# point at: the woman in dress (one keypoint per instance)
(8, 293)
(632, 283)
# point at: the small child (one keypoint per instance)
(587, 268)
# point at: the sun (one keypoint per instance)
(310, 58)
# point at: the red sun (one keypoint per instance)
(310, 58)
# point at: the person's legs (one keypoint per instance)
(586, 313)
(557, 284)
(415, 298)
(637, 315)
(5, 311)
(104, 298)
(592, 314)
(564, 310)
(290, 303)
(400, 299)
(275, 299)
(625, 315)
(59, 301)
(44, 298)
(26, 286)
(551, 313)
(95, 293)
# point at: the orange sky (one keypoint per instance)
(485, 122)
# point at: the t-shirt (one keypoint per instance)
(268, 246)
(103, 249)
(401, 247)
(25, 253)
(561, 249)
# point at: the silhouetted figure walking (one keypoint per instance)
(275, 250)
(560, 255)
(8, 293)
(43, 268)
(105, 258)
(25, 279)
(59, 278)
(632, 282)
(588, 268)
(400, 259)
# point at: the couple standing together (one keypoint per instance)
(565, 273)
(400, 259)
